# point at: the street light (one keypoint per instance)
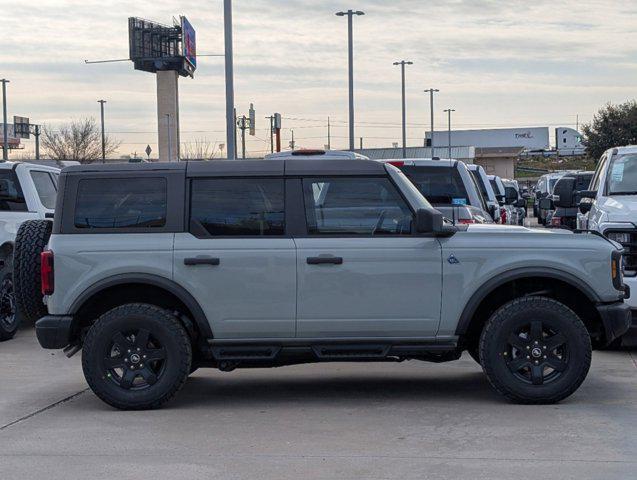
(402, 64)
(102, 102)
(431, 92)
(350, 38)
(231, 141)
(5, 126)
(448, 112)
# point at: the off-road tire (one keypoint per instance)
(550, 314)
(30, 241)
(164, 328)
(8, 323)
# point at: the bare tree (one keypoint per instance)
(198, 149)
(79, 140)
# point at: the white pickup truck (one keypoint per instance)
(609, 206)
(27, 192)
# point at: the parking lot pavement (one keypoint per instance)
(348, 421)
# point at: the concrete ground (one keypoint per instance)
(327, 421)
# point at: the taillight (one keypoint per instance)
(556, 221)
(397, 163)
(46, 272)
(466, 221)
(503, 216)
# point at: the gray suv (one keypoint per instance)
(155, 270)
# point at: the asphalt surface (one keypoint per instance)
(411, 420)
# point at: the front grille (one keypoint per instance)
(630, 249)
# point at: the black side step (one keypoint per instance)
(245, 352)
(331, 352)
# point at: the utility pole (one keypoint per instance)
(102, 102)
(402, 64)
(361, 143)
(243, 125)
(448, 112)
(5, 126)
(329, 135)
(231, 138)
(431, 92)
(271, 117)
(350, 41)
(292, 144)
(37, 141)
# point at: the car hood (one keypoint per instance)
(620, 208)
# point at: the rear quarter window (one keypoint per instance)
(121, 203)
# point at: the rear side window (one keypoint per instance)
(238, 207)
(355, 206)
(46, 187)
(121, 203)
(11, 196)
(439, 185)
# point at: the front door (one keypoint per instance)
(361, 271)
(236, 260)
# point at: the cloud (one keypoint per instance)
(496, 62)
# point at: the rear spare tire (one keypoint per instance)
(30, 241)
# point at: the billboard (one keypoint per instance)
(188, 42)
(12, 139)
(531, 138)
(21, 127)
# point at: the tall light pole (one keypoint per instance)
(230, 117)
(102, 102)
(5, 126)
(431, 92)
(350, 39)
(448, 112)
(402, 64)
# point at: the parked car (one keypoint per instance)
(517, 202)
(567, 205)
(449, 187)
(27, 192)
(506, 211)
(543, 203)
(154, 270)
(482, 180)
(609, 206)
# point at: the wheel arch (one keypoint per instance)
(158, 284)
(470, 319)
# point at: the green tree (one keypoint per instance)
(612, 126)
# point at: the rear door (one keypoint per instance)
(237, 259)
(361, 271)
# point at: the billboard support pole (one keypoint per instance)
(37, 142)
(102, 102)
(5, 142)
(230, 117)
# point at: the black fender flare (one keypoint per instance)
(199, 317)
(517, 274)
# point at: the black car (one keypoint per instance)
(567, 204)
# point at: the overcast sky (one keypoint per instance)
(498, 63)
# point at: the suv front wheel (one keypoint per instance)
(136, 356)
(535, 350)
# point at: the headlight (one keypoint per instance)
(620, 237)
(617, 270)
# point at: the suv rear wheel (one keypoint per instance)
(9, 319)
(136, 356)
(535, 350)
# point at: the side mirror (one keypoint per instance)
(546, 204)
(521, 203)
(564, 192)
(429, 220)
(588, 194)
(511, 195)
(585, 206)
(493, 211)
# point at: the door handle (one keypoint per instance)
(201, 261)
(324, 260)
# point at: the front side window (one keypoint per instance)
(238, 207)
(46, 188)
(439, 185)
(121, 203)
(355, 206)
(621, 178)
(11, 196)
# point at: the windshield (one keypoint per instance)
(552, 182)
(494, 185)
(621, 178)
(478, 179)
(439, 185)
(481, 196)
